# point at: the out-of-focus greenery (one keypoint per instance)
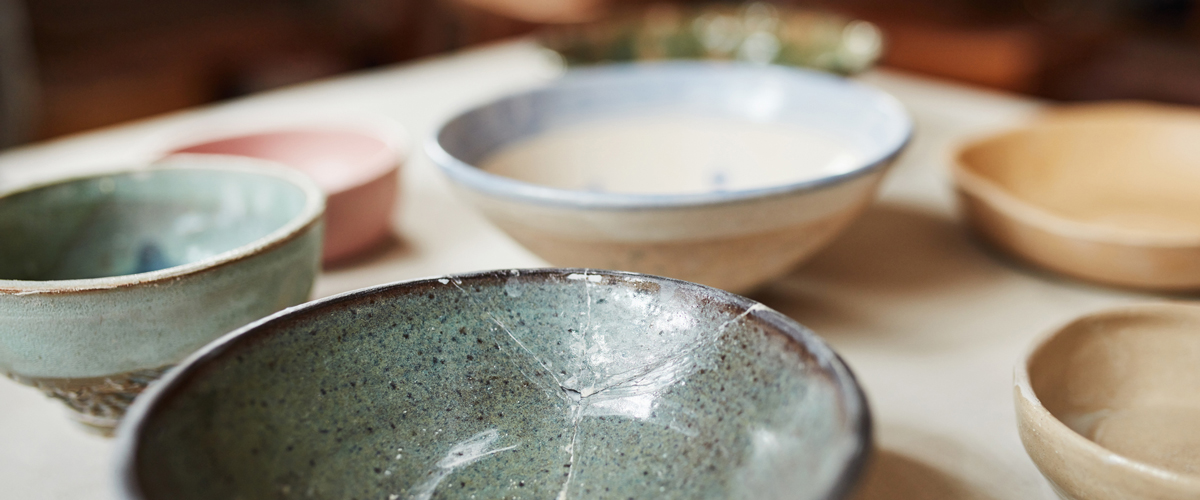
(757, 32)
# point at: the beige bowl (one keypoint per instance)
(1108, 407)
(1106, 193)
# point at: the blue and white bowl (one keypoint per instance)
(725, 174)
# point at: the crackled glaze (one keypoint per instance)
(533, 384)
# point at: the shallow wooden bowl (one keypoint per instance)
(1106, 193)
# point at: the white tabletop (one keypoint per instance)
(930, 321)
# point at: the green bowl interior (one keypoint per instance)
(537, 384)
(138, 222)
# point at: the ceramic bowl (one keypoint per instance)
(724, 174)
(1109, 406)
(547, 383)
(1102, 193)
(106, 281)
(358, 169)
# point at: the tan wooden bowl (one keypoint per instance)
(1107, 193)
(1108, 406)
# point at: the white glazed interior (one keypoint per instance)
(868, 124)
(674, 154)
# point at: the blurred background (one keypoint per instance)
(72, 65)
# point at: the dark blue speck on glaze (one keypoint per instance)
(537, 384)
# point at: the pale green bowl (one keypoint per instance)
(106, 281)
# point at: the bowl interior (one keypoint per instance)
(680, 128)
(1124, 174)
(1129, 381)
(539, 384)
(138, 222)
(335, 159)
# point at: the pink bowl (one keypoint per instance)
(357, 170)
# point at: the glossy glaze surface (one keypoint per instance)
(130, 272)
(541, 384)
(1109, 406)
(655, 218)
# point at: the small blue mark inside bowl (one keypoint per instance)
(151, 258)
(720, 180)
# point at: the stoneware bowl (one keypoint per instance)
(357, 168)
(535, 384)
(1102, 193)
(1109, 406)
(106, 281)
(724, 174)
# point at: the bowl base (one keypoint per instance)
(98, 403)
(738, 264)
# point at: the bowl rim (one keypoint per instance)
(1034, 215)
(854, 402)
(1028, 399)
(477, 179)
(308, 216)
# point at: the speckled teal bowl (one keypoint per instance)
(106, 281)
(508, 384)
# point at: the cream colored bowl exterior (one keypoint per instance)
(734, 246)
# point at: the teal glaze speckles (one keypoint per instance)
(133, 271)
(514, 384)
